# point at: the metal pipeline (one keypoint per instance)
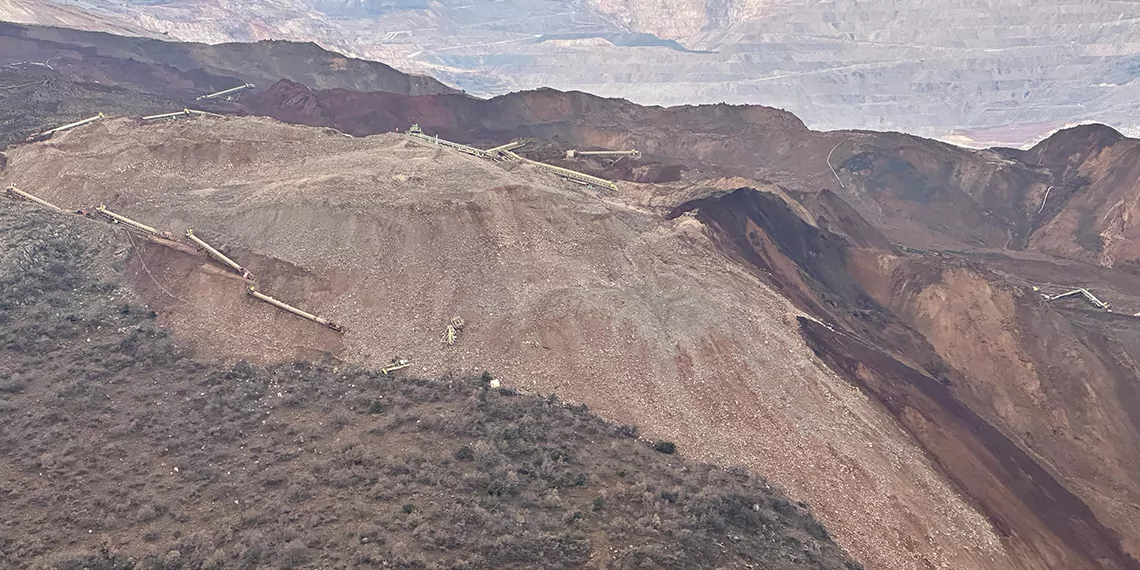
(508, 146)
(1082, 292)
(182, 113)
(48, 133)
(125, 220)
(225, 92)
(619, 153)
(580, 177)
(253, 292)
(218, 255)
(415, 131)
(20, 193)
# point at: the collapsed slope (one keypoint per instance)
(1095, 179)
(594, 297)
(1070, 196)
(1029, 407)
(124, 450)
(918, 192)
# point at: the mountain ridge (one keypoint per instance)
(838, 65)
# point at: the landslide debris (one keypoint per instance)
(1073, 201)
(123, 449)
(593, 296)
(1088, 213)
(904, 327)
(34, 98)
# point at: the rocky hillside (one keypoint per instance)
(857, 315)
(123, 449)
(985, 71)
(263, 62)
(560, 292)
(52, 76)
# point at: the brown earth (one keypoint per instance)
(1092, 217)
(1002, 416)
(561, 291)
(868, 338)
(123, 450)
(919, 192)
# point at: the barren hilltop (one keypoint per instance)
(876, 323)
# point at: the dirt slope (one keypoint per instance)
(34, 98)
(123, 450)
(594, 297)
(1091, 208)
(1048, 460)
(919, 192)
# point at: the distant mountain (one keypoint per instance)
(264, 62)
(978, 71)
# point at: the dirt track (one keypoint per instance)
(596, 298)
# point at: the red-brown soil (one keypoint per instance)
(1002, 415)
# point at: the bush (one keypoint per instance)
(409, 509)
(376, 407)
(465, 453)
(598, 504)
(14, 384)
(666, 447)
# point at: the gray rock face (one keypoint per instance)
(998, 71)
